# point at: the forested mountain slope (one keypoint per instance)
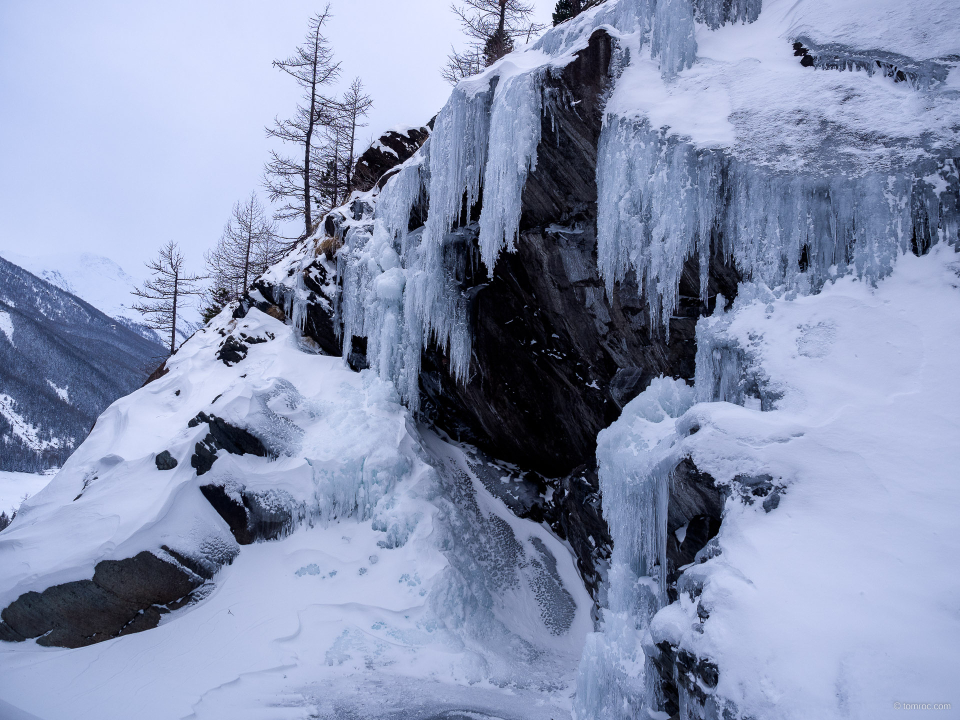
(62, 362)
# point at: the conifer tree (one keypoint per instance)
(493, 26)
(567, 9)
(161, 297)
(289, 179)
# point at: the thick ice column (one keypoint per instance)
(673, 39)
(634, 482)
(514, 136)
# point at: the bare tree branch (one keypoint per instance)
(160, 296)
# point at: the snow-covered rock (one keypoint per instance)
(392, 563)
(823, 593)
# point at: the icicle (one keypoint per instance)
(634, 483)
(673, 39)
(662, 201)
(514, 137)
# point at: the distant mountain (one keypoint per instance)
(62, 362)
(101, 282)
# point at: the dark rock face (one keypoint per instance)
(318, 322)
(392, 149)
(683, 670)
(696, 503)
(231, 351)
(696, 506)
(251, 517)
(166, 461)
(124, 596)
(555, 359)
(222, 436)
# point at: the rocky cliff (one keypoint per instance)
(614, 288)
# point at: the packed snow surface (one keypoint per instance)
(841, 601)
(16, 486)
(400, 585)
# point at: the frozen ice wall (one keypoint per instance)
(798, 152)
(851, 438)
(614, 683)
(399, 287)
(720, 140)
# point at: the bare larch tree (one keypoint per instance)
(335, 175)
(288, 180)
(161, 296)
(247, 247)
(354, 107)
(492, 26)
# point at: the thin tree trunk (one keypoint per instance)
(353, 140)
(308, 219)
(173, 324)
(503, 17)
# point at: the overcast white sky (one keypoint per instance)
(126, 123)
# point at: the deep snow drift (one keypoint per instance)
(834, 600)
(402, 582)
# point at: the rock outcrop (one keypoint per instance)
(124, 596)
(391, 149)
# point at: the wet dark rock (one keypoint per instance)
(222, 436)
(555, 358)
(231, 351)
(251, 516)
(579, 521)
(123, 597)
(696, 502)
(157, 374)
(318, 321)
(357, 357)
(681, 671)
(391, 149)
(166, 461)
(751, 488)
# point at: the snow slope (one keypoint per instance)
(14, 486)
(841, 601)
(399, 570)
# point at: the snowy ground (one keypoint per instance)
(407, 589)
(15, 486)
(843, 600)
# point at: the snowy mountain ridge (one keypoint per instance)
(61, 363)
(101, 282)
